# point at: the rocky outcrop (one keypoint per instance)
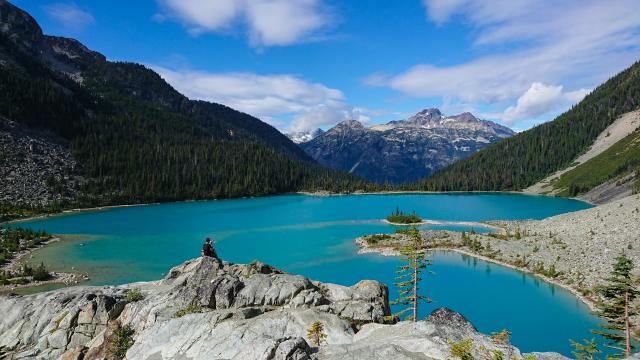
(206, 308)
(404, 150)
(37, 167)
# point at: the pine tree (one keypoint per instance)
(316, 333)
(614, 306)
(585, 350)
(414, 263)
(40, 273)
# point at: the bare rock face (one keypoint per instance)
(37, 167)
(207, 308)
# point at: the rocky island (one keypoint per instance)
(207, 308)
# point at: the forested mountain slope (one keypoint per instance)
(522, 160)
(617, 168)
(134, 138)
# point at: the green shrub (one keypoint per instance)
(134, 295)
(19, 281)
(375, 238)
(193, 308)
(462, 349)
(4, 278)
(122, 341)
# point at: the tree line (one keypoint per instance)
(138, 140)
(528, 157)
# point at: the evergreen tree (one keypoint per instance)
(316, 333)
(614, 306)
(414, 263)
(528, 157)
(585, 350)
(40, 273)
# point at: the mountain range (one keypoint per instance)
(403, 150)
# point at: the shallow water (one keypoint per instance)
(313, 236)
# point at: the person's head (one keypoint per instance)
(208, 241)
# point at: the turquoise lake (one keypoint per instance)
(313, 236)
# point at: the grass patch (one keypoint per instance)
(621, 158)
(193, 308)
(56, 323)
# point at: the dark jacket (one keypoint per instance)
(207, 250)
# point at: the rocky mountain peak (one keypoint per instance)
(403, 150)
(17, 24)
(430, 112)
(62, 54)
(348, 125)
(465, 117)
(424, 117)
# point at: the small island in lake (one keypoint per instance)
(399, 217)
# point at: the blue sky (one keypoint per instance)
(303, 64)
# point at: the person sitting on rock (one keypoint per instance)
(208, 250)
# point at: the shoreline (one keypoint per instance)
(69, 277)
(427, 192)
(364, 248)
(445, 223)
(57, 278)
(306, 193)
(14, 262)
(13, 265)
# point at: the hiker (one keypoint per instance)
(208, 250)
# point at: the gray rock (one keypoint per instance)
(240, 312)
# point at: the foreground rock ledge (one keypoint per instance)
(209, 309)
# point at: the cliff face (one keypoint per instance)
(206, 308)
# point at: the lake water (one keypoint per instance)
(313, 236)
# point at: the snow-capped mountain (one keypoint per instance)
(304, 136)
(404, 150)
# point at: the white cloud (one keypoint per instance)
(328, 114)
(269, 22)
(540, 99)
(272, 98)
(576, 44)
(69, 15)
